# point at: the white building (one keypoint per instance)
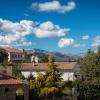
(15, 55)
(34, 59)
(68, 69)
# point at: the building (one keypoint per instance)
(68, 69)
(15, 55)
(12, 89)
(35, 59)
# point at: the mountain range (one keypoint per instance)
(57, 55)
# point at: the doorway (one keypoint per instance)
(19, 94)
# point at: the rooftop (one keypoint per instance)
(14, 50)
(43, 66)
(8, 80)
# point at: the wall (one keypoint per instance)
(65, 75)
(15, 56)
(11, 93)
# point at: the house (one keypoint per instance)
(12, 89)
(35, 59)
(68, 69)
(15, 55)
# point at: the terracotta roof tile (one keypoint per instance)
(15, 50)
(43, 66)
(10, 81)
(6, 79)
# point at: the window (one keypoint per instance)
(6, 89)
(12, 56)
(18, 56)
(15, 55)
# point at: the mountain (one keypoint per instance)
(57, 55)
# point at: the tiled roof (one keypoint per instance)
(43, 66)
(15, 50)
(6, 79)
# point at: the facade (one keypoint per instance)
(15, 55)
(9, 87)
(34, 59)
(68, 69)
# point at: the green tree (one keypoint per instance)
(30, 77)
(89, 86)
(3, 55)
(44, 58)
(49, 84)
(16, 72)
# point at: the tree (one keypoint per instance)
(30, 77)
(16, 72)
(3, 55)
(44, 58)
(49, 84)
(88, 66)
(89, 86)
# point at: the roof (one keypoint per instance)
(43, 66)
(15, 50)
(8, 80)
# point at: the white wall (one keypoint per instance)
(10, 57)
(65, 75)
(68, 76)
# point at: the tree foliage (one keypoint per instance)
(89, 86)
(16, 70)
(49, 84)
(3, 55)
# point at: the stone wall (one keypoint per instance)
(8, 92)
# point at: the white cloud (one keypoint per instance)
(86, 37)
(64, 42)
(26, 15)
(54, 6)
(96, 41)
(48, 29)
(78, 45)
(14, 33)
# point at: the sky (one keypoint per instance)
(55, 25)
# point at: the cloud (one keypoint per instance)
(54, 6)
(96, 42)
(9, 41)
(26, 15)
(48, 29)
(12, 33)
(15, 33)
(78, 45)
(86, 37)
(64, 42)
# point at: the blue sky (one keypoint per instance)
(60, 25)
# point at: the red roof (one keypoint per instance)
(9, 80)
(15, 50)
(43, 66)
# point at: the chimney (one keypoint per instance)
(32, 59)
(36, 59)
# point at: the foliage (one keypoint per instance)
(67, 91)
(44, 58)
(27, 57)
(3, 56)
(49, 84)
(89, 86)
(30, 77)
(16, 70)
(19, 91)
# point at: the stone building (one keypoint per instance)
(12, 89)
(15, 55)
